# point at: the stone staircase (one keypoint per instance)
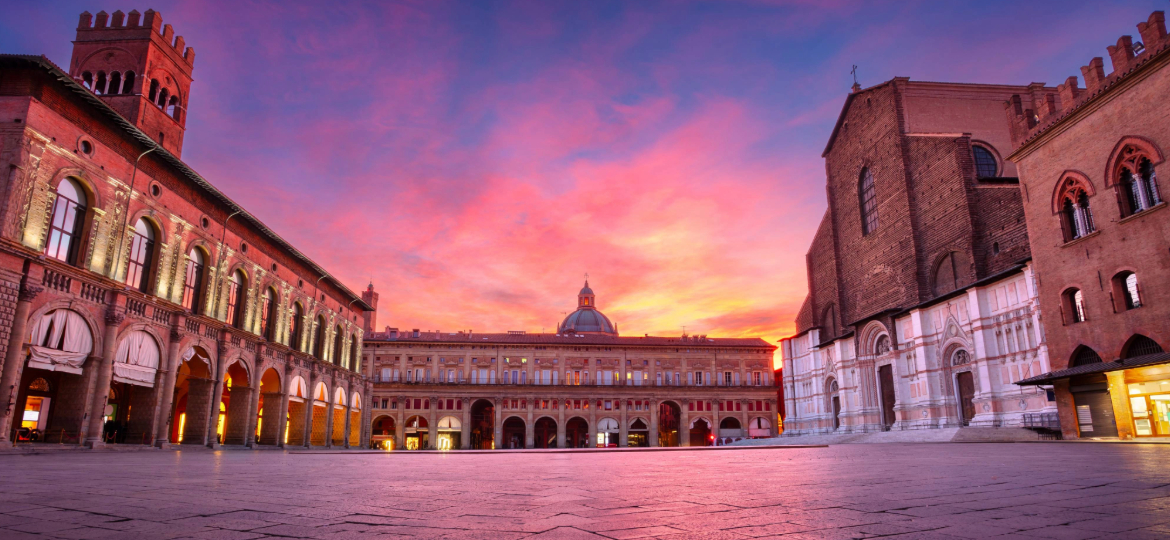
(942, 435)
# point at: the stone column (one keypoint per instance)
(282, 420)
(529, 426)
(465, 430)
(498, 427)
(164, 414)
(684, 423)
(309, 406)
(367, 415)
(217, 392)
(654, 405)
(623, 428)
(105, 371)
(592, 442)
(561, 423)
(330, 407)
(254, 400)
(433, 423)
(14, 359)
(1122, 414)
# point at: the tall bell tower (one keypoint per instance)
(140, 68)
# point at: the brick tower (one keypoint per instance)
(370, 317)
(140, 68)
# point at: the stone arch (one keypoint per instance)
(669, 423)
(86, 315)
(514, 432)
(194, 386)
(94, 198)
(991, 149)
(482, 430)
(950, 271)
(702, 431)
(544, 432)
(1119, 155)
(150, 215)
(1083, 355)
(1139, 345)
(382, 431)
(1070, 180)
(871, 334)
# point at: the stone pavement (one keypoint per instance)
(919, 491)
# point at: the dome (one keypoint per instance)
(587, 321)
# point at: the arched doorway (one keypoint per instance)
(483, 425)
(638, 435)
(759, 427)
(834, 405)
(59, 344)
(130, 407)
(237, 396)
(298, 399)
(668, 424)
(417, 433)
(450, 430)
(193, 384)
(382, 433)
(269, 432)
(340, 404)
(355, 420)
(701, 432)
(320, 414)
(730, 427)
(577, 433)
(545, 433)
(608, 432)
(514, 432)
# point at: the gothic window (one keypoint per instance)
(193, 282)
(1073, 303)
(1084, 356)
(1126, 295)
(1076, 217)
(1137, 183)
(65, 227)
(115, 86)
(295, 324)
(141, 255)
(868, 198)
(87, 80)
(99, 87)
(173, 107)
(162, 98)
(267, 313)
(882, 346)
(237, 289)
(986, 166)
(153, 95)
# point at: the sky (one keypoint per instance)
(474, 160)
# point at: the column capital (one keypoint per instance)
(28, 292)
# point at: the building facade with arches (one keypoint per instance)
(583, 386)
(138, 303)
(922, 308)
(1090, 160)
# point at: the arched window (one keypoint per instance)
(1076, 218)
(829, 323)
(115, 83)
(193, 281)
(87, 80)
(141, 255)
(353, 356)
(99, 87)
(338, 337)
(1073, 303)
(66, 225)
(986, 166)
(1137, 183)
(319, 339)
(173, 107)
(1084, 356)
(237, 290)
(153, 90)
(267, 314)
(162, 98)
(882, 346)
(1125, 291)
(950, 273)
(1139, 345)
(295, 325)
(128, 83)
(867, 196)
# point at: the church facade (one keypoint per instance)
(583, 386)
(922, 308)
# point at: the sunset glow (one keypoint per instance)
(475, 160)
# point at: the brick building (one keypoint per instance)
(1089, 161)
(583, 386)
(921, 309)
(139, 304)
